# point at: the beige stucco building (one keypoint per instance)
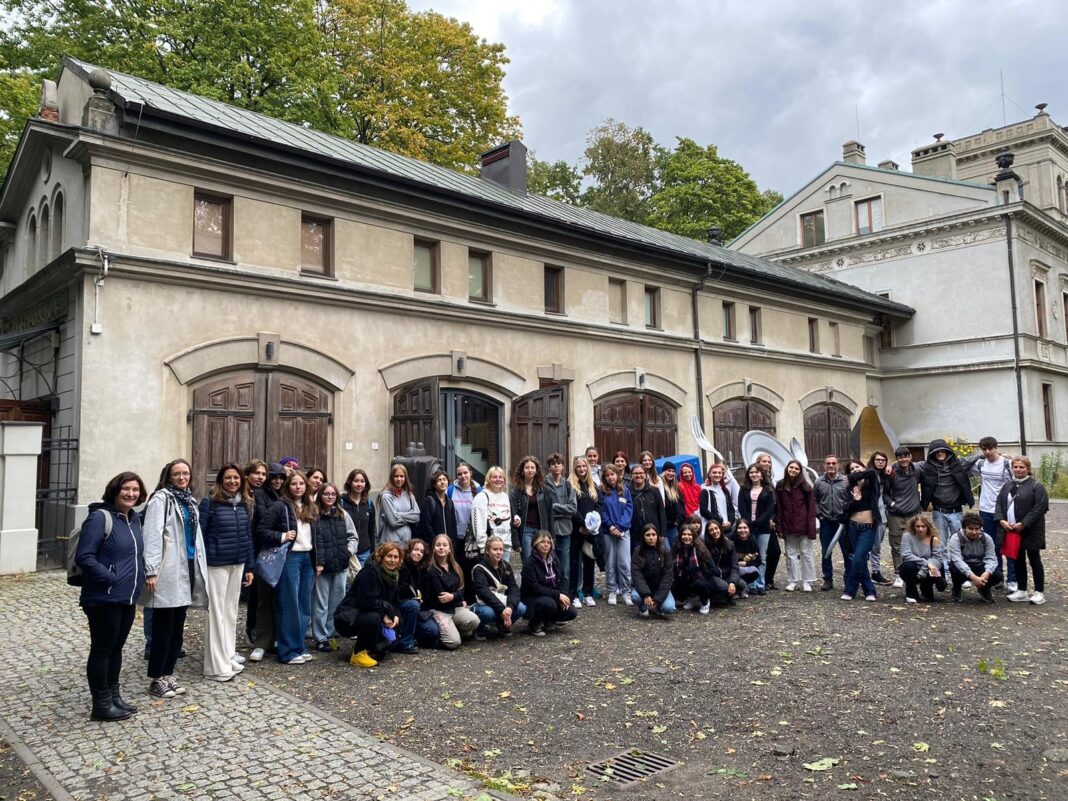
(181, 277)
(979, 250)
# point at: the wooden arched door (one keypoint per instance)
(826, 432)
(732, 419)
(635, 422)
(254, 415)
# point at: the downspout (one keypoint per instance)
(1015, 336)
(698, 349)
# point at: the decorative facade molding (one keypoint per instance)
(827, 395)
(457, 365)
(636, 380)
(745, 389)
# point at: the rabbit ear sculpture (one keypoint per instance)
(754, 443)
(701, 440)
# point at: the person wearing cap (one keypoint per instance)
(289, 463)
(674, 503)
(260, 628)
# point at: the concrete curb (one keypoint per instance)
(37, 768)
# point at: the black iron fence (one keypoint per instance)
(57, 492)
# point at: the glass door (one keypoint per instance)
(472, 432)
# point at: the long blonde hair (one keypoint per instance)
(589, 486)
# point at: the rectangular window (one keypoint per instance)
(652, 307)
(212, 218)
(479, 276)
(729, 330)
(1047, 409)
(426, 267)
(617, 301)
(755, 334)
(836, 340)
(315, 245)
(1064, 310)
(554, 289)
(1040, 307)
(812, 232)
(813, 335)
(869, 215)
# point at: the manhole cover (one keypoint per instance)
(629, 767)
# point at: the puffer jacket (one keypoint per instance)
(114, 566)
(648, 508)
(227, 530)
(363, 518)
(652, 572)
(334, 540)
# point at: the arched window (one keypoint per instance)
(826, 431)
(44, 239)
(732, 419)
(31, 242)
(56, 246)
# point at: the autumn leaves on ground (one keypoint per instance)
(788, 696)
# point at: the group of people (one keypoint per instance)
(396, 572)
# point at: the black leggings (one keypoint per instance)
(547, 610)
(703, 588)
(109, 625)
(168, 626)
(772, 562)
(368, 630)
(581, 567)
(1034, 556)
(916, 576)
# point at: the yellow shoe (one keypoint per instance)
(363, 659)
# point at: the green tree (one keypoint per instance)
(623, 163)
(699, 189)
(558, 180)
(19, 96)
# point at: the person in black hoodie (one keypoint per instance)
(259, 624)
(357, 502)
(691, 571)
(748, 554)
(587, 494)
(417, 626)
(651, 575)
(436, 512)
(648, 502)
(496, 592)
(543, 589)
(725, 559)
(113, 567)
(370, 607)
(946, 489)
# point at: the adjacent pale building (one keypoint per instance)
(977, 243)
(182, 277)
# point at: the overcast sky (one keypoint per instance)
(777, 85)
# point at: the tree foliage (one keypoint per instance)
(415, 83)
(558, 180)
(623, 163)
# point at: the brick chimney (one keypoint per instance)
(853, 152)
(506, 165)
(938, 160)
(49, 101)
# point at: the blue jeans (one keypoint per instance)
(293, 600)
(991, 527)
(617, 562)
(862, 538)
(409, 616)
(667, 608)
(327, 592)
(563, 556)
(669, 538)
(363, 556)
(877, 549)
(828, 528)
(487, 617)
(427, 633)
(762, 541)
(947, 523)
(528, 541)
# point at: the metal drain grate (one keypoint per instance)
(630, 767)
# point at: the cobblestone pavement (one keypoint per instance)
(241, 740)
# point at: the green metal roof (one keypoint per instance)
(147, 97)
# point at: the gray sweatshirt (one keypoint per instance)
(963, 550)
(904, 500)
(913, 549)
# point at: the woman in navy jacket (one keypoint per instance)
(113, 564)
(226, 522)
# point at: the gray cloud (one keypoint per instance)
(777, 85)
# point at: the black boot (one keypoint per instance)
(104, 708)
(116, 698)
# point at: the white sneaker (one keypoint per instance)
(910, 600)
(967, 585)
(589, 601)
(691, 604)
(644, 612)
(238, 658)
(704, 609)
(297, 660)
(222, 677)
(1011, 587)
(256, 655)
(899, 583)
(806, 587)
(236, 667)
(627, 601)
(1038, 599)
(612, 598)
(791, 586)
(1018, 595)
(307, 657)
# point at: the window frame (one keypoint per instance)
(1041, 321)
(227, 203)
(820, 237)
(730, 321)
(621, 283)
(868, 201)
(435, 266)
(1047, 410)
(485, 258)
(557, 273)
(836, 338)
(1064, 313)
(326, 270)
(756, 325)
(655, 321)
(814, 335)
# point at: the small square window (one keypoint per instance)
(755, 334)
(869, 215)
(617, 301)
(813, 335)
(652, 307)
(426, 267)
(212, 216)
(554, 289)
(479, 276)
(730, 331)
(812, 230)
(315, 245)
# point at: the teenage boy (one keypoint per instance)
(994, 470)
(972, 558)
(558, 505)
(832, 495)
(945, 488)
(903, 503)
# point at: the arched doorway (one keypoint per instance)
(732, 419)
(826, 432)
(258, 415)
(635, 422)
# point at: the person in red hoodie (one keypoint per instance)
(689, 489)
(795, 513)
